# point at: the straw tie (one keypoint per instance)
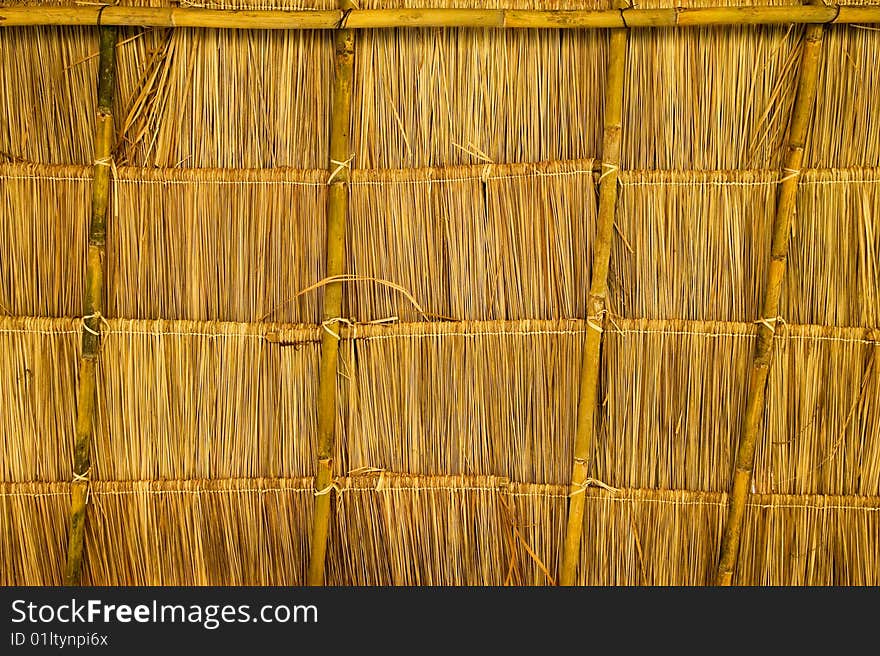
(329, 322)
(607, 169)
(100, 317)
(340, 166)
(334, 485)
(770, 323)
(86, 478)
(790, 174)
(594, 320)
(593, 482)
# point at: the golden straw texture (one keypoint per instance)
(166, 532)
(218, 245)
(42, 207)
(225, 98)
(466, 398)
(834, 261)
(394, 528)
(708, 98)
(439, 97)
(34, 523)
(844, 129)
(472, 242)
(675, 390)
(48, 93)
(181, 399)
(673, 258)
(39, 363)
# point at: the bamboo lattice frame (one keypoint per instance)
(329, 482)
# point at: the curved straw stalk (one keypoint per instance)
(763, 356)
(92, 304)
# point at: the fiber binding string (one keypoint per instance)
(340, 166)
(101, 319)
(325, 325)
(596, 321)
(790, 174)
(770, 323)
(607, 169)
(85, 478)
(593, 482)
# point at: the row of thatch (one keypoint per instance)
(468, 243)
(447, 530)
(181, 400)
(713, 98)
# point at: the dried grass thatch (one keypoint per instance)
(470, 213)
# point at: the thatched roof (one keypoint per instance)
(473, 225)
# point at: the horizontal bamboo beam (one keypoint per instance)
(388, 18)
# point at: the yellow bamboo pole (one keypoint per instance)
(92, 304)
(587, 398)
(388, 18)
(786, 199)
(337, 216)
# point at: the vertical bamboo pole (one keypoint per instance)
(92, 304)
(337, 215)
(587, 398)
(786, 199)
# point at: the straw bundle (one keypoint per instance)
(822, 438)
(253, 100)
(834, 267)
(181, 400)
(474, 242)
(38, 374)
(165, 533)
(440, 97)
(218, 245)
(34, 524)
(466, 398)
(708, 98)
(675, 390)
(40, 208)
(843, 132)
(672, 390)
(675, 260)
(48, 93)
(430, 531)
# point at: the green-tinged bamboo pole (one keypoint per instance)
(337, 216)
(388, 18)
(92, 304)
(786, 199)
(587, 397)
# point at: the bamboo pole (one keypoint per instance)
(337, 216)
(389, 18)
(589, 379)
(92, 304)
(786, 200)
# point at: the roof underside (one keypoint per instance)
(473, 210)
